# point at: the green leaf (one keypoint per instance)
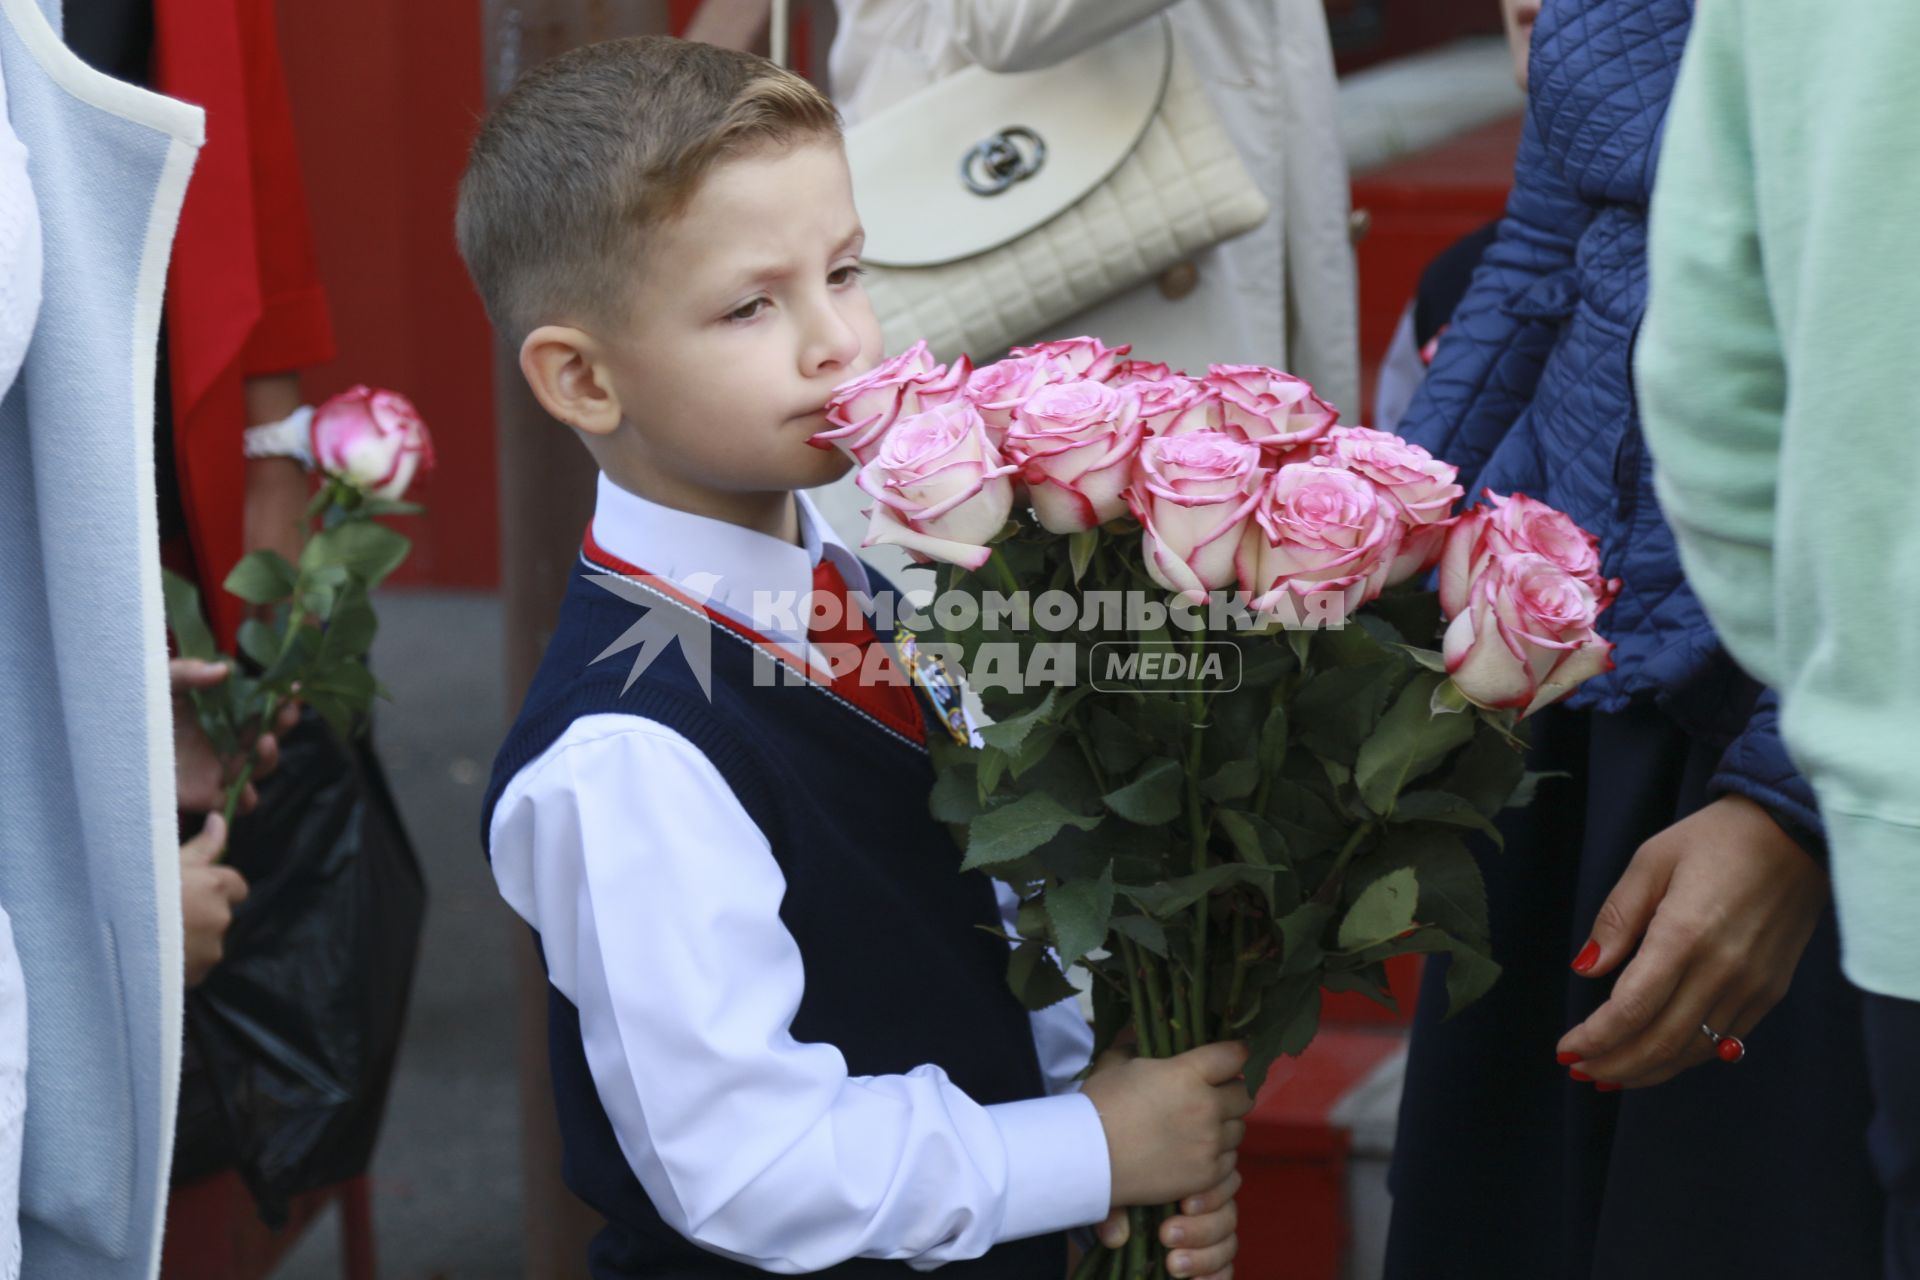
(1337, 709)
(1445, 808)
(1017, 829)
(1080, 549)
(296, 660)
(1035, 979)
(1530, 782)
(368, 550)
(1302, 936)
(955, 798)
(1079, 911)
(1170, 897)
(1453, 897)
(259, 642)
(186, 619)
(1384, 910)
(1143, 930)
(1431, 659)
(1254, 838)
(388, 507)
(992, 767)
(1301, 642)
(1487, 772)
(1273, 740)
(349, 681)
(1470, 975)
(1409, 741)
(262, 577)
(1152, 799)
(1235, 780)
(1008, 734)
(1116, 744)
(1285, 1025)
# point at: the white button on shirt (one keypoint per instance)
(657, 900)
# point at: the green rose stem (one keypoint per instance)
(1200, 1031)
(1008, 583)
(267, 710)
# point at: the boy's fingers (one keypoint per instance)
(1208, 1201)
(192, 673)
(1198, 1230)
(1232, 1134)
(1233, 1099)
(1200, 1262)
(1218, 1063)
(231, 884)
(206, 846)
(1114, 1232)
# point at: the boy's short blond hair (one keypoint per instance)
(592, 149)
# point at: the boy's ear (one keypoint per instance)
(563, 366)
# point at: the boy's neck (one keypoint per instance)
(775, 514)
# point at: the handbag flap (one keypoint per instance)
(980, 158)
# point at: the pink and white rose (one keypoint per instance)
(1141, 371)
(1274, 410)
(999, 389)
(1194, 494)
(1325, 541)
(940, 487)
(865, 408)
(1515, 524)
(1088, 358)
(1420, 485)
(1526, 636)
(1176, 405)
(1074, 443)
(373, 440)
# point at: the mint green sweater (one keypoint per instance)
(1778, 386)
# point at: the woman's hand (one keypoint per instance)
(1726, 901)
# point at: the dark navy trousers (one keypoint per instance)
(1893, 1054)
(1505, 1169)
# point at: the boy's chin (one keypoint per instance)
(824, 466)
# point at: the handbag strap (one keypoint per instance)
(779, 28)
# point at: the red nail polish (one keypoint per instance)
(1566, 1059)
(1605, 1086)
(1579, 1075)
(1589, 956)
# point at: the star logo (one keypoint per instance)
(665, 622)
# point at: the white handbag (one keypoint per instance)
(997, 205)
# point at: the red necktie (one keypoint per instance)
(887, 692)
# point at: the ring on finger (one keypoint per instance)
(1728, 1048)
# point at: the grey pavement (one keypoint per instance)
(447, 1181)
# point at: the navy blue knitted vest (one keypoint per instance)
(899, 973)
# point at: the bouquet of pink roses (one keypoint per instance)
(1235, 744)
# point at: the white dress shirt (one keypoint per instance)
(657, 900)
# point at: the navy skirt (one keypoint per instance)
(1504, 1169)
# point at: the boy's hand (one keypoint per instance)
(200, 775)
(1201, 1239)
(208, 894)
(1172, 1124)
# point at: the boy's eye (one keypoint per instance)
(747, 312)
(845, 275)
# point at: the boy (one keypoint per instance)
(780, 1038)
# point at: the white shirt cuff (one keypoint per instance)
(1058, 1174)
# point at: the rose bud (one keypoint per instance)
(1526, 636)
(1421, 486)
(1325, 536)
(1075, 443)
(1274, 410)
(373, 440)
(1194, 494)
(941, 488)
(865, 408)
(1507, 525)
(1087, 358)
(999, 389)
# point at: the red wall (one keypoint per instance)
(385, 98)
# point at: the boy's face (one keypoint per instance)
(1519, 16)
(747, 313)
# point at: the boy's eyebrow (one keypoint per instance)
(772, 272)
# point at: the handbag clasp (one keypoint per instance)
(996, 163)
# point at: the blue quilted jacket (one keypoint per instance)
(1531, 390)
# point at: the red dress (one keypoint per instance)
(243, 291)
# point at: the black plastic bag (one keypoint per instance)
(291, 1040)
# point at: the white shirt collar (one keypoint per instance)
(753, 578)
